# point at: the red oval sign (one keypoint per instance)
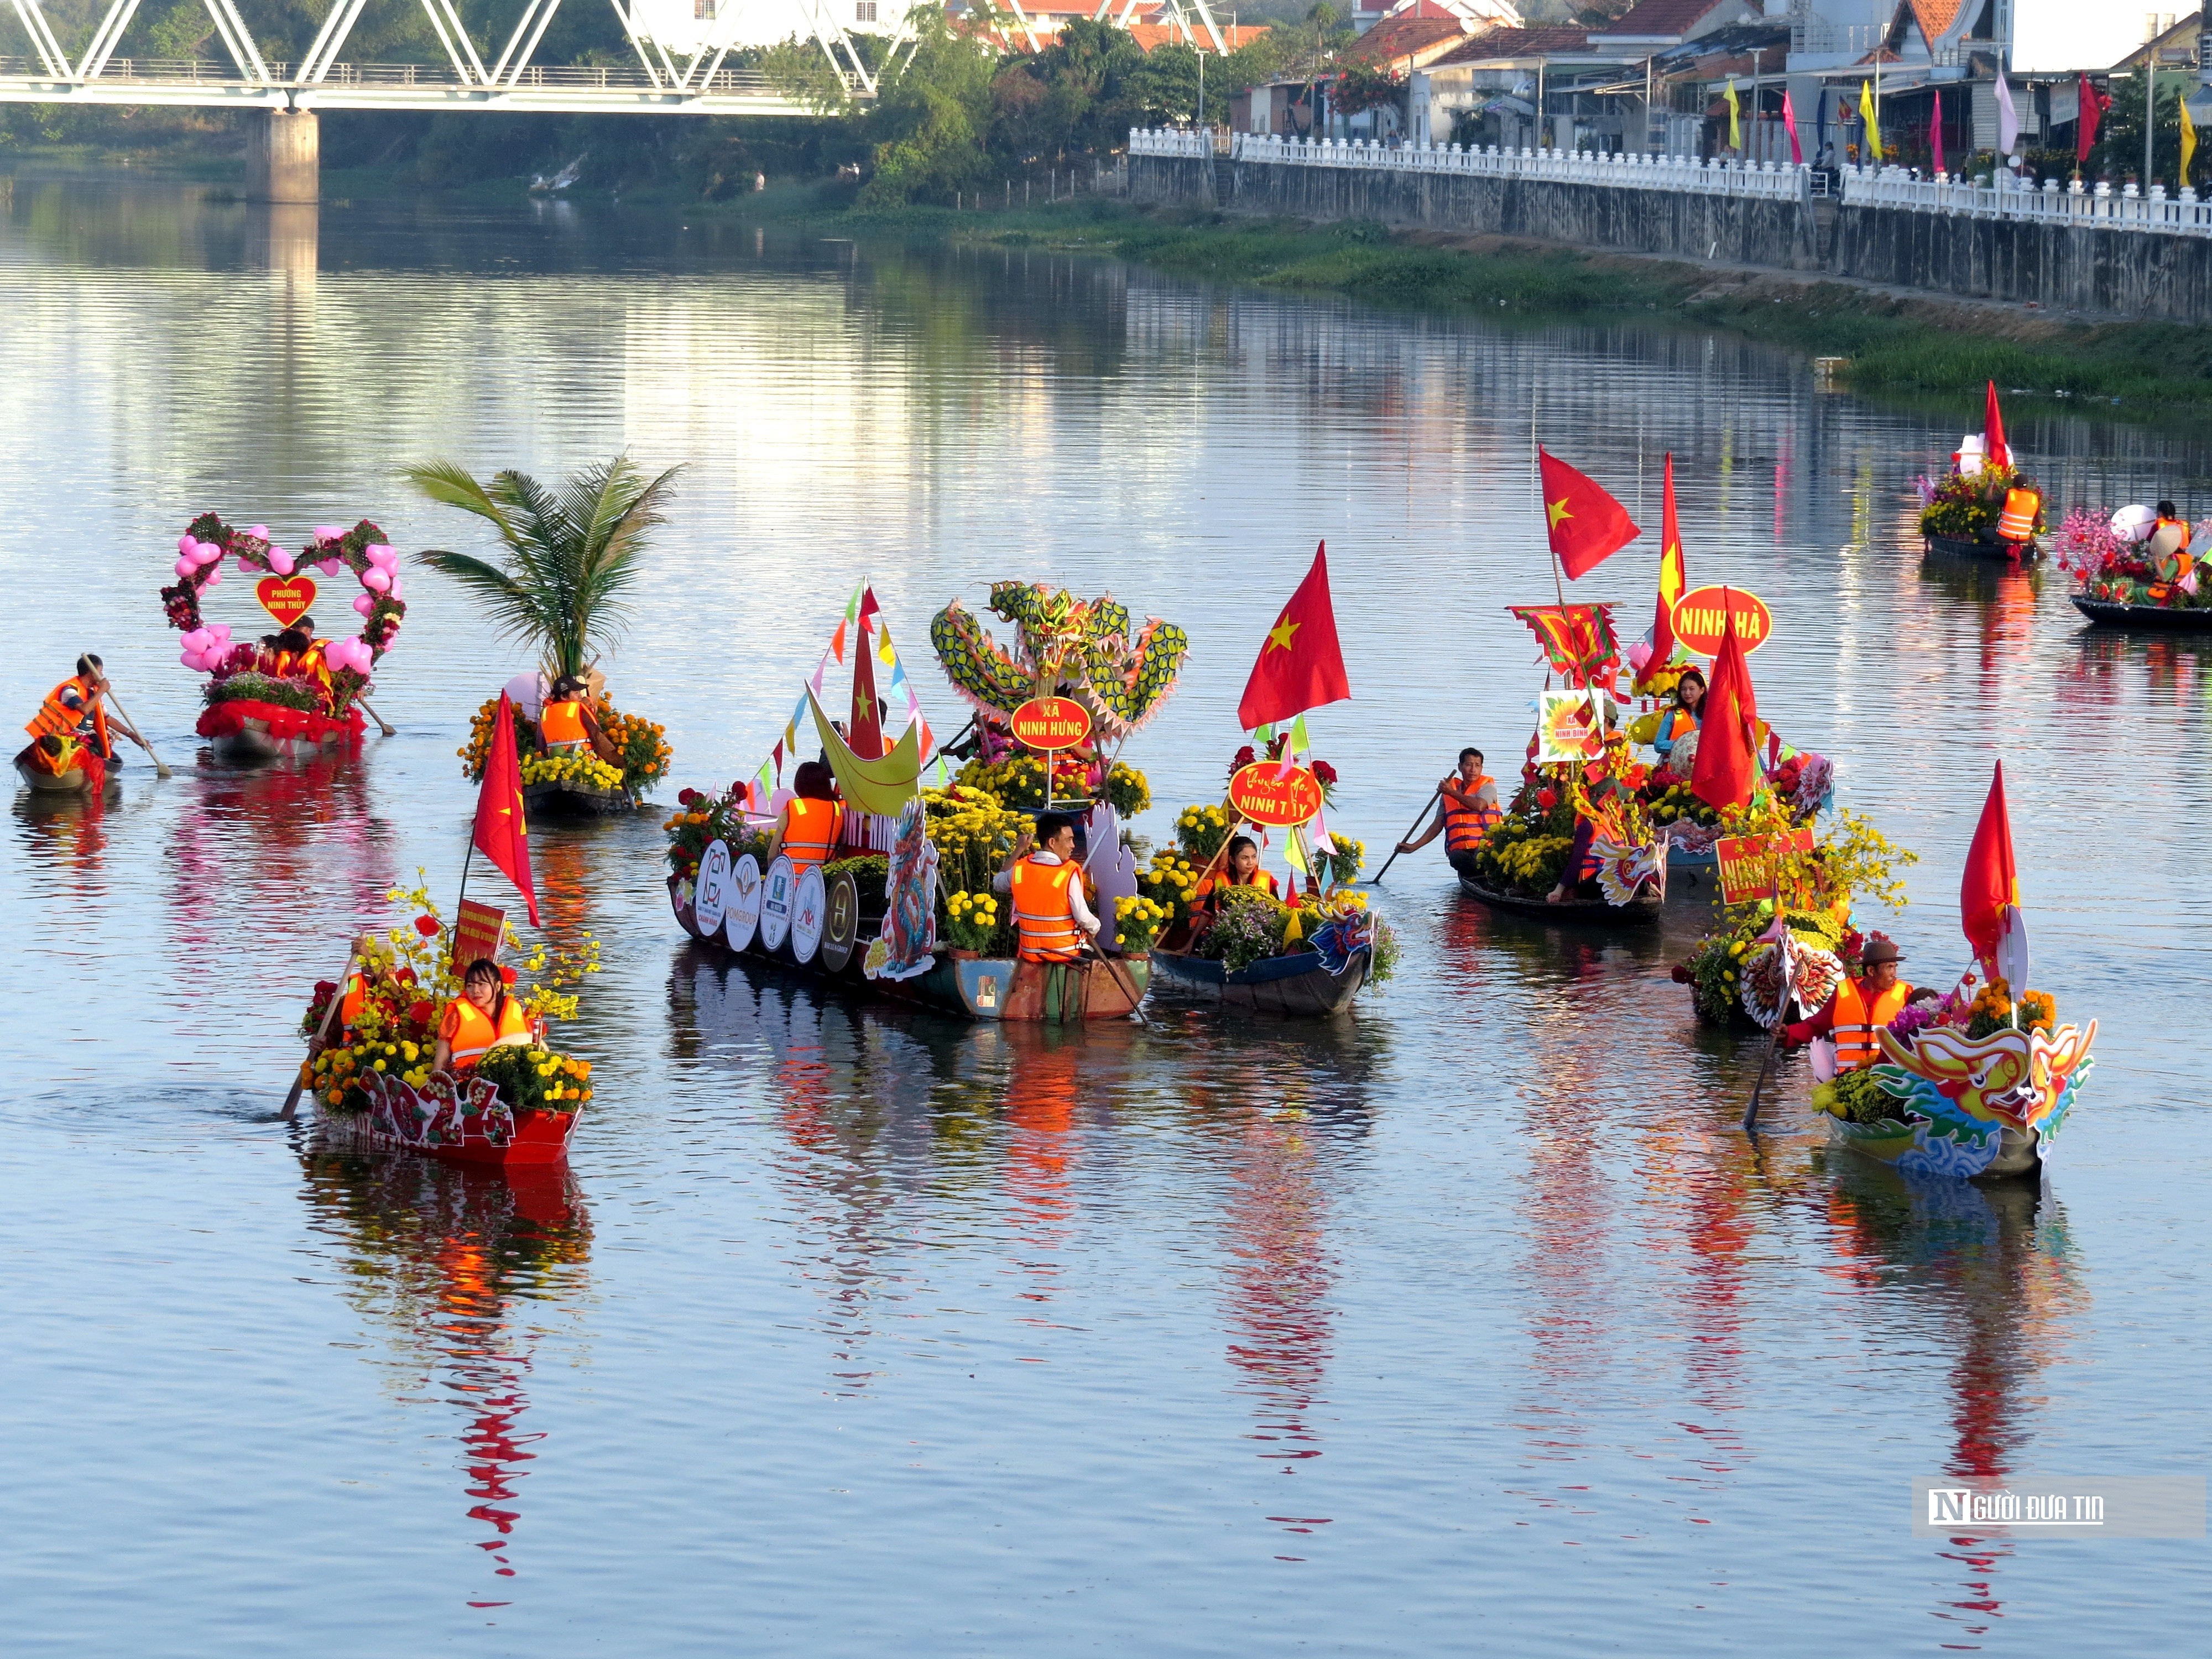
(1265, 793)
(1051, 723)
(1698, 619)
(288, 598)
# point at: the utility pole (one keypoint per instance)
(1543, 112)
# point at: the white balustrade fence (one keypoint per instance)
(1883, 187)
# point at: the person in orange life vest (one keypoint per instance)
(1686, 716)
(1240, 867)
(1861, 1007)
(1052, 912)
(1466, 806)
(811, 820)
(75, 713)
(566, 725)
(2166, 547)
(483, 1018)
(2023, 506)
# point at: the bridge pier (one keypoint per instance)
(284, 157)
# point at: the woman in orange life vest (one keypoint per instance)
(812, 819)
(1052, 912)
(1686, 716)
(1240, 867)
(2167, 545)
(566, 725)
(483, 1018)
(1861, 1007)
(1466, 806)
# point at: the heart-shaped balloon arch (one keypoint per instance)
(363, 549)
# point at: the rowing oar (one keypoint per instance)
(160, 770)
(299, 1081)
(1781, 1008)
(1129, 984)
(388, 731)
(1376, 880)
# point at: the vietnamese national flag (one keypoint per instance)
(1674, 578)
(1727, 765)
(1301, 666)
(500, 834)
(864, 726)
(1994, 446)
(1992, 886)
(2091, 107)
(1586, 525)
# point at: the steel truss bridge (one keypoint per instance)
(662, 81)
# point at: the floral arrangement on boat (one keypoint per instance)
(700, 820)
(307, 693)
(1956, 1075)
(2114, 560)
(1965, 505)
(1735, 973)
(381, 1062)
(640, 745)
(1018, 779)
(1526, 853)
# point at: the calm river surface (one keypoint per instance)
(1471, 1320)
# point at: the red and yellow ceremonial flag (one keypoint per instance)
(500, 834)
(1992, 880)
(1728, 744)
(1301, 666)
(1998, 452)
(1674, 577)
(1586, 525)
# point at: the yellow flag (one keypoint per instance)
(882, 787)
(1735, 123)
(2188, 143)
(1872, 117)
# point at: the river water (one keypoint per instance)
(1472, 1315)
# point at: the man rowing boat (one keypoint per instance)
(1467, 807)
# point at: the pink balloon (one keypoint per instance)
(185, 567)
(376, 577)
(364, 604)
(328, 533)
(280, 562)
(220, 633)
(331, 567)
(214, 574)
(379, 554)
(185, 544)
(205, 553)
(260, 533)
(394, 590)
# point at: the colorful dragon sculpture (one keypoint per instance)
(1956, 1095)
(1065, 647)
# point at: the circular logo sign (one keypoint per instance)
(288, 598)
(810, 909)
(714, 888)
(1699, 619)
(842, 928)
(741, 919)
(1267, 794)
(775, 903)
(1051, 723)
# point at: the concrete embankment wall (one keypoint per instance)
(2119, 273)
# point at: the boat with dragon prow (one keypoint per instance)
(858, 871)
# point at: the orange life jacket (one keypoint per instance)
(2017, 522)
(470, 1032)
(1465, 826)
(811, 828)
(563, 723)
(1044, 920)
(56, 719)
(354, 1000)
(1259, 878)
(1855, 1023)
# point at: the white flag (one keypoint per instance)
(2008, 121)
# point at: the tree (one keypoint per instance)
(570, 558)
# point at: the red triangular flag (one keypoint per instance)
(1585, 524)
(500, 834)
(1992, 879)
(1301, 666)
(1993, 438)
(1727, 767)
(864, 725)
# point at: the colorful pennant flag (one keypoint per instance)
(1578, 640)
(1301, 666)
(1585, 524)
(501, 834)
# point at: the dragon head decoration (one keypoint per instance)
(2023, 1079)
(1063, 647)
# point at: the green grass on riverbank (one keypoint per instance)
(1911, 346)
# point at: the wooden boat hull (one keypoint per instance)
(71, 782)
(468, 1126)
(1920, 1148)
(1294, 985)
(1639, 913)
(2163, 619)
(562, 800)
(1974, 547)
(254, 744)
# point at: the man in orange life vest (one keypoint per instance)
(1862, 1007)
(73, 721)
(1052, 914)
(566, 725)
(1467, 806)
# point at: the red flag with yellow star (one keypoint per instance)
(1586, 525)
(1301, 666)
(1674, 580)
(500, 834)
(1990, 891)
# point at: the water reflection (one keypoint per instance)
(459, 1268)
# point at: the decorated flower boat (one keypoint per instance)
(1985, 507)
(2137, 570)
(372, 1077)
(904, 906)
(612, 777)
(294, 694)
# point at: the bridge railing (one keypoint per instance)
(2004, 198)
(187, 71)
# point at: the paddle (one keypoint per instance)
(1781, 1007)
(338, 997)
(1435, 794)
(1113, 965)
(388, 731)
(160, 769)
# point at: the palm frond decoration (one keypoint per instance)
(570, 555)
